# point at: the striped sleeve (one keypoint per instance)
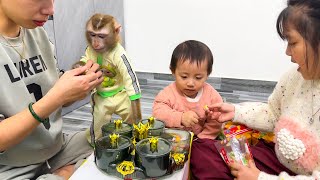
(129, 76)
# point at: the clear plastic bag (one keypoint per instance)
(234, 150)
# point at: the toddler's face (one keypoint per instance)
(190, 77)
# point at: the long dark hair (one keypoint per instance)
(304, 16)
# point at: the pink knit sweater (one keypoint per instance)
(169, 105)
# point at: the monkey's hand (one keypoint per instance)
(78, 64)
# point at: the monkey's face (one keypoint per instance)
(100, 40)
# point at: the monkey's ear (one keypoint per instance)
(117, 27)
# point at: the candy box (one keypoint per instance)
(234, 150)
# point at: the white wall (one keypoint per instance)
(241, 33)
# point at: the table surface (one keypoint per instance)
(89, 170)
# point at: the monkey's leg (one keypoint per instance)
(123, 106)
(102, 115)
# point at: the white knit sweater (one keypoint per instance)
(288, 114)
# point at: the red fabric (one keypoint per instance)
(206, 162)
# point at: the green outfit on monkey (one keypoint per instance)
(119, 88)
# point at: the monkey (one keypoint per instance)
(120, 91)
(101, 36)
(102, 32)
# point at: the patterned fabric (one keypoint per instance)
(292, 114)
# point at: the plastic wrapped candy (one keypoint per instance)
(238, 130)
(235, 150)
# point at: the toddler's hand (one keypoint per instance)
(189, 119)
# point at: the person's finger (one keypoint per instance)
(96, 82)
(77, 71)
(208, 113)
(195, 120)
(88, 64)
(234, 172)
(215, 110)
(93, 75)
(251, 164)
(235, 166)
(225, 117)
(215, 106)
(215, 115)
(95, 67)
(195, 115)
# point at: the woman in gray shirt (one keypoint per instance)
(32, 94)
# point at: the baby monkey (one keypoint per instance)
(102, 35)
(120, 92)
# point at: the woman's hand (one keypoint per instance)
(242, 172)
(212, 114)
(223, 111)
(73, 85)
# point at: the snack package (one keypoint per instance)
(234, 150)
(238, 130)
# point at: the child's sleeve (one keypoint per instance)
(130, 80)
(211, 128)
(163, 110)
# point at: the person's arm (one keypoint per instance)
(257, 115)
(286, 176)
(70, 87)
(262, 116)
(211, 128)
(162, 110)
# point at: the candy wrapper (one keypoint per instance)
(238, 130)
(234, 150)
